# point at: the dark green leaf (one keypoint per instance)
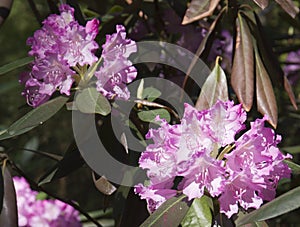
(51, 156)
(14, 65)
(170, 213)
(31, 145)
(199, 9)
(134, 211)
(34, 118)
(253, 224)
(149, 115)
(112, 12)
(281, 205)
(71, 161)
(265, 97)
(151, 93)
(91, 101)
(119, 201)
(294, 167)
(214, 88)
(292, 150)
(5, 87)
(289, 7)
(262, 3)
(199, 214)
(9, 215)
(242, 77)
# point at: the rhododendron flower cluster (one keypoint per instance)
(203, 152)
(33, 212)
(60, 44)
(64, 50)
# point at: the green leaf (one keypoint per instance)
(91, 101)
(151, 93)
(149, 115)
(294, 167)
(214, 88)
(242, 77)
(140, 90)
(281, 205)
(34, 118)
(6, 86)
(170, 213)
(199, 9)
(265, 97)
(292, 149)
(199, 214)
(112, 12)
(14, 65)
(252, 224)
(119, 203)
(41, 196)
(71, 161)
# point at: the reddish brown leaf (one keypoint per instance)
(242, 77)
(9, 215)
(103, 185)
(213, 89)
(289, 90)
(289, 7)
(199, 9)
(262, 3)
(269, 58)
(266, 101)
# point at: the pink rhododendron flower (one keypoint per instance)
(32, 212)
(254, 168)
(155, 195)
(189, 151)
(117, 70)
(57, 47)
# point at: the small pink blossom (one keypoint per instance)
(33, 212)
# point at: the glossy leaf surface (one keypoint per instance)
(214, 88)
(170, 213)
(281, 205)
(34, 118)
(199, 9)
(242, 77)
(199, 214)
(91, 101)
